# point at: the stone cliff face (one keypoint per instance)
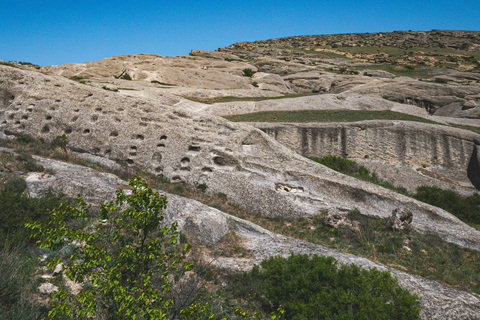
(444, 152)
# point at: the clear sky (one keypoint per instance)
(56, 32)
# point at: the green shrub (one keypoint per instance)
(343, 165)
(314, 287)
(126, 76)
(60, 142)
(466, 209)
(15, 185)
(247, 72)
(438, 80)
(255, 84)
(16, 208)
(139, 258)
(28, 163)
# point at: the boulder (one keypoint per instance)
(400, 219)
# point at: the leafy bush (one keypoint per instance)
(28, 163)
(313, 287)
(60, 142)
(255, 84)
(15, 185)
(247, 72)
(466, 209)
(130, 258)
(126, 76)
(16, 208)
(343, 165)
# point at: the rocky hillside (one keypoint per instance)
(162, 115)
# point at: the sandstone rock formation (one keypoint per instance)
(209, 225)
(428, 154)
(236, 159)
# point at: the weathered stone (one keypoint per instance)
(400, 219)
(209, 225)
(47, 288)
(336, 220)
(187, 146)
(111, 87)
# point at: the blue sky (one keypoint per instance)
(57, 32)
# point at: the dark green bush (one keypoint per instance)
(247, 72)
(16, 208)
(343, 165)
(28, 163)
(314, 287)
(437, 80)
(15, 185)
(466, 209)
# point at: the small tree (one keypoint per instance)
(125, 261)
(247, 72)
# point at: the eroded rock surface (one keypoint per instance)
(209, 225)
(427, 154)
(232, 158)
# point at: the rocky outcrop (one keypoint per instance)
(236, 159)
(443, 154)
(209, 225)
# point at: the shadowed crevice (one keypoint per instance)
(473, 170)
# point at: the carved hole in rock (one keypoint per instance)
(48, 117)
(158, 169)
(286, 188)
(133, 154)
(143, 124)
(17, 122)
(157, 157)
(114, 134)
(98, 109)
(117, 120)
(24, 117)
(176, 179)
(185, 162)
(207, 169)
(11, 116)
(68, 130)
(160, 146)
(129, 161)
(108, 152)
(133, 148)
(45, 129)
(76, 110)
(194, 148)
(163, 138)
(139, 137)
(29, 110)
(219, 161)
(86, 131)
(147, 110)
(74, 119)
(120, 109)
(52, 108)
(58, 100)
(366, 156)
(181, 114)
(94, 118)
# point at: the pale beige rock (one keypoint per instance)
(232, 158)
(209, 225)
(400, 219)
